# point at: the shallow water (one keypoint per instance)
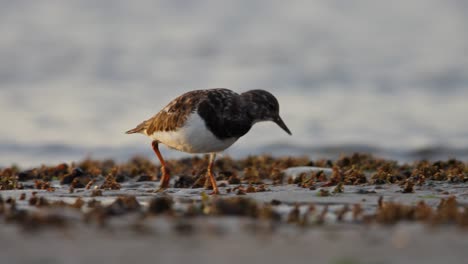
(385, 77)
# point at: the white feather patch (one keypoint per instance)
(193, 137)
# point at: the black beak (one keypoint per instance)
(281, 124)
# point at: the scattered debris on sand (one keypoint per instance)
(104, 190)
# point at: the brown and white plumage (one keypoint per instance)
(208, 121)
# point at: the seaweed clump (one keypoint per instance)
(354, 169)
(447, 212)
(235, 206)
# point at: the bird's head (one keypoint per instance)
(263, 106)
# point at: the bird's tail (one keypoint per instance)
(139, 129)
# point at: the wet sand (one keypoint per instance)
(404, 243)
(254, 220)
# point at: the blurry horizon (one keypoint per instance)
(388, 77)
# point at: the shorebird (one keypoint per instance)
(207, 121)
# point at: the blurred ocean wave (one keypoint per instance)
(26, 156)
(390, 76)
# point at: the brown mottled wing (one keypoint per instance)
(172, 116)
(175, 113)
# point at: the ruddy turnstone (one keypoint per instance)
(208, 121)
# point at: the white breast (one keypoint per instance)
(193, 137)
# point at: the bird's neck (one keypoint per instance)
(253, 110)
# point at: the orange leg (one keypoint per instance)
(165, 172)
(210, 173)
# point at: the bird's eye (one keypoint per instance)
(273, 106)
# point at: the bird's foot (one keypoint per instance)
(160, 190)
(215, 192)
(164, 183)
